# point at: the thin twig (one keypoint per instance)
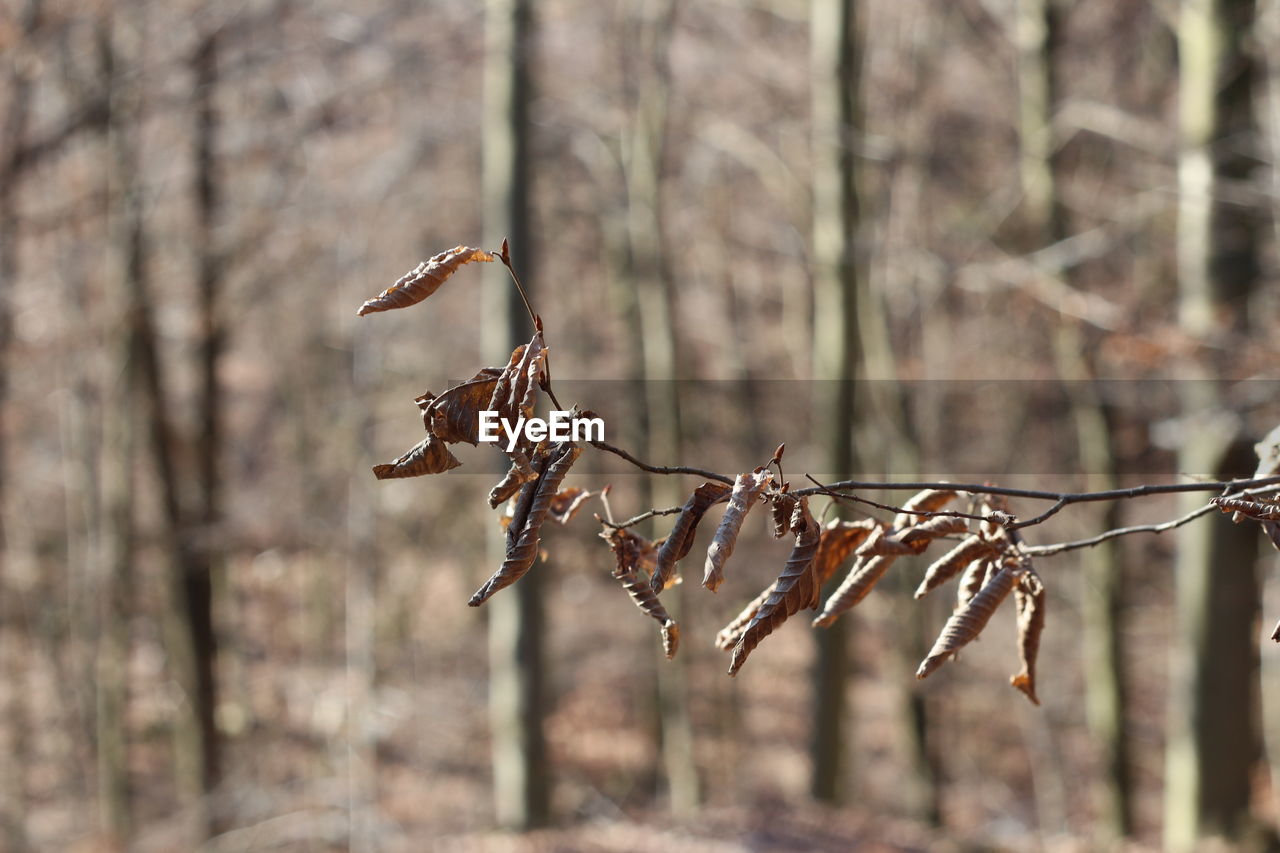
(1033, 494)
(504, 255)
(888, 508)
(1049, 550)
(662, 469)
(644, 516)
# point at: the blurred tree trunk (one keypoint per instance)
(13, 732)
(1040, 37)
(835, 59)
(1214, 741)
(517, 670)
(125, 219)
(186, 620)
(649, 275)
(198, 577)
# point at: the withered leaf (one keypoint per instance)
(864, 575)
(1257, 510)
(731, 633)
(839, 540)
(423, 280)
(967, 623)
(950, 564)
(516, 391)
(520, 473)
(746, 490)
(428, 456)
(1029, 597)
(632, 555)
(531, 511)
(795, 589)
(781, 506)
(929, 500)
(1272, 529)
(885, 543)
(931, 528)
(566, 503)
(455, 415)
(680, 541)
(974, 578)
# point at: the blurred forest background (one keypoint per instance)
(1029, 241)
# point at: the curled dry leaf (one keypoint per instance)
(974, 578)
(950, 564)
(746, 490)
(781, 506)
(883, 542)
(531, 511)
(566, 503)
(429, 456)
(1257, 510)
(455, 415)
(679, 542)
(729, 635)
(864, 575)
(423, 280)
(520, 473)
(839, 540)
(1029, 597)
(930, 500)
(516, 391)
(633, 556)
(932, 528)
(967, 623)
(795, 589)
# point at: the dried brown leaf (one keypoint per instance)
(795, 589)
(516, 391)
(950, 564)
(633, 555)
(971, 582)
(680, 541)
(930, 500)
(864, 575)
(455, 415)
(729, 635)
(428, 456)
(520, 473)
(781, 506)
(1029, 597)
(839, 540)
(531, 511)
(566, 503)
(746, 490)
(1268, 451)
(967, 623)
(883, 542)
(932, 528)
(423, 280)
(1257, 510)
(1272, 529)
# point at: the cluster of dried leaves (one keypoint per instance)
(986, 553)
(1263, 508)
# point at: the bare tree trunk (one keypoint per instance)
(116, 582)
(517, 676)
(12, 722)
(186, 617)
(835, 79)
(1214, 743)
(198, 577)
(1040, 25)
(648, 273)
